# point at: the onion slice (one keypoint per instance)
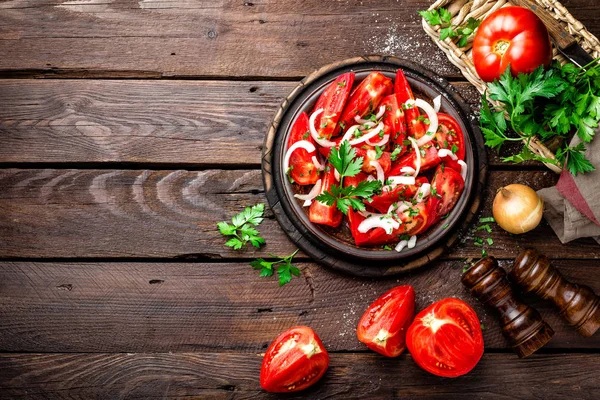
(401, 245)
(308, 198)
(301, 144)
(447, 153)
(380, 173)
(408, 170)
(423, 192)
(315, 134)
(437, 103)
(317, 164)
(349, 133)
(401, 180)
(415, 146)
(363, 121)
(431, 116)
(379, 221)
(412, 242)
(399, 207)
(368, 134)
(463, 169)
(380, 112)
(371, 178)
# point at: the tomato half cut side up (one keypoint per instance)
(445, 339)
(302, 170)
(415, 126)
(294, 361)
(450, 136)
(448, 184)
(384, 324)
(332, 101)
(323, 214)
(365, 98)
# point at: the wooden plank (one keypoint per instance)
(132, 213)
(350, 376)
(153, 38)
(157, 307)
(200, 123)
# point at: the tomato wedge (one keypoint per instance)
(365, 98)
(382, 202)
(448, 186)
(294, 361)
(445, 338)
(374, 237)
(384, 160)
(416, 219)
(302, 170)
(332, 101)
(383, 326)
(323, 214)
(429, 159)
(394, 122)
(415, 125)
(450, 136)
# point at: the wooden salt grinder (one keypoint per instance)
(577, 304)
(522, 325)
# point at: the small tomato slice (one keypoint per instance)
(332, 101)
(382, 202)
(365, 98)
(383, 326)
(374, 237)
(371, 155)
(302, 170)
(445, 338)
(450, 136)
(448, 186)
(415, 125)
(294, 361)
(323, 214)
(394, 122)
(415, 220)
(510, 35)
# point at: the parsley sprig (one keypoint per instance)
(282, 265)
(347, 164)
(242, 228)
(443, 18)
(546, 103)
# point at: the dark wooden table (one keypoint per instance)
(146, 130)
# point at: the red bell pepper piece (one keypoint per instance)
(302, 170)
(365, 98)
(323, 214)
(416, 127)
(332, 101)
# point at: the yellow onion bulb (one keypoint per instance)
(517, 208)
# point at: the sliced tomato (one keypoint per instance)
(415, 125)
(382, 202)
(323, 214)
(450, 136)
(429, 159)
(394, 122)
(445, 338)
(365, 98)
(371, 155)
(374, 237)
(416, 219)
(332, 101)
(302, 170)
(448, 185)
(294, 361)
(383, 326)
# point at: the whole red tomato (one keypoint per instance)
(510, 35)
(294, 361)
(445, 338)
(383, 326)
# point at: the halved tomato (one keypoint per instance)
(302, 170)
(365, 98)
(323, 214)
(415, 125)
(394, 122)
(383, 326)
(445, 338)
(294, 361)
(450, 136)
(332, 101)
(448, 185)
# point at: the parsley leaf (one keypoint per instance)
(242, 228)
(575, 159)
(344, 160)
(282, 265)
(443, 18)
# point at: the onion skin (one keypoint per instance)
(517, 208)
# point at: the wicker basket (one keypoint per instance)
(462, 10)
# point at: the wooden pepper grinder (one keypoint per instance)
(578, 304)
(522, 325)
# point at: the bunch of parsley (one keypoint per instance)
(442, 17)
(549, 104)
(346, 163)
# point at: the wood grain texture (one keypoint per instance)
(350, 376)
(130, 213)
(157, 307)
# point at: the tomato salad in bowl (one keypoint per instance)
(372, 153)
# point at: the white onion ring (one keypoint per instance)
(368, 134)
(365, 122)
(437, 103)
(371, 178)
(349, 133)
(401, 180)
(412, 242)
(401, 245)
(447, 153)
(315, 134)
(380, 173)
(463, 169)
(423, 192)
(382, 142)
(301, 144)
(418, 161)
(317, 164)
(431, 115)
(399, 207)
(408, 170)
(308, 198)
(379, 221)
(380, 112)
(336, 174)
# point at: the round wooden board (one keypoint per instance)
(331, 256)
